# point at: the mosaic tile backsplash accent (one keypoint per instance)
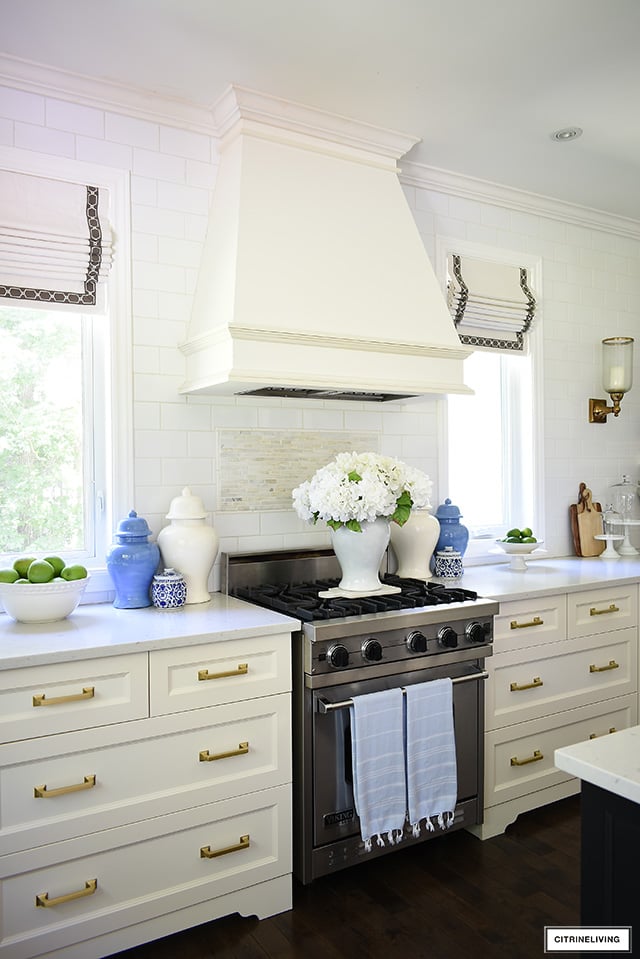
(258, 469)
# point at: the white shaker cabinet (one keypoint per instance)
(143, 793)
(564, 670)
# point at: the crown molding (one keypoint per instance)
(484, 191)
(105, 95)
(173, 111)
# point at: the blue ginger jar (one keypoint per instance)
(452, 533)
(131, 562)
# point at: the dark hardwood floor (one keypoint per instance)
(450, 898)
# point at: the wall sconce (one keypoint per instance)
(617, 376)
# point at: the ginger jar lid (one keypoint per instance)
(133, 527)
(186, 506)
(448, 511)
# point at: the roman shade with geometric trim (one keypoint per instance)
(491, 303)
(55, 239)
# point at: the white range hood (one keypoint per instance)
(314, 279)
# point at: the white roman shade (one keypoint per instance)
(55, 239)
(491, 303)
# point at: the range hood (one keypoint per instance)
(314, 280)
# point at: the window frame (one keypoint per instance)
(484, 550)
(114, 308)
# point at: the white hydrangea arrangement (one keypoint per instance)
(361, 487)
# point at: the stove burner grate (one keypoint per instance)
(302, 601)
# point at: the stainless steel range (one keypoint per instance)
(347, 647)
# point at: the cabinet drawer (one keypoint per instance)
(141, 871)
(601, 610)
(531, 745)
(223, 672)
(530, 622)
(533, 683)
(70, 785)
(51, 699)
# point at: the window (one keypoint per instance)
(53, 433)
(491, 447)
(66, 452)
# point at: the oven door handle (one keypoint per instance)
(324, 706)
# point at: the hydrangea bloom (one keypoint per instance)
(360, 487)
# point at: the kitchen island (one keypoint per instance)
(609, 769)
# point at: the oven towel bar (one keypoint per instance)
(326, 707)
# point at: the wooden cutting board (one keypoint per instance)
(586, 522)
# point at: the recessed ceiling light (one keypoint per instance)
(567, 133)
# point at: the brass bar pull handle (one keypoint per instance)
(597, 735)
(41, 792)
(537, 756)
(88, 692)
(536, 621)
(599, 612)
(205, 756)
(208, 853)
(516, 687)
(240, 670)
(90, 886)
(601, 669)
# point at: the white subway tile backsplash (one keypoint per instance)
(185, 471)
(144, 246)
(132, 131)
(147, 219)
(103, 152)
(6, 132)
(178, 252)
(185, 416)
(144, 190)
(43, 140)
(162, 443)
(74, 118)
(146, 359)
(185, 143)
(145, 304)
(187, 199)
(146, 416)
(159, 165)
(156, 388)
(158, 276)
(19, 105)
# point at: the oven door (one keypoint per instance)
(333, 815)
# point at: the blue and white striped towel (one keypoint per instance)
(379, 783)
(432, 781)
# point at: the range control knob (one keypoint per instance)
(416, 642)
(448, 637)
(476, 632)
(372, 650)
(338, 656)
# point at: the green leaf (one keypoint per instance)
(354, 525)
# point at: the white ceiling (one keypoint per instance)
(482, 82)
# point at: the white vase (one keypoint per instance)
(189, 545)
(360, 554)
(414, 543)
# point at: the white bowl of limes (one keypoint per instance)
(519, 543)
(41, 590)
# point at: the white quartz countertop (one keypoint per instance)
(611, 762)
(548, 576)
(101, 630)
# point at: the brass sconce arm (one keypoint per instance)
(598, 409)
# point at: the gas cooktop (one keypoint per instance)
(302, 600)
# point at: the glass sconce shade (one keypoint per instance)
(617, 364)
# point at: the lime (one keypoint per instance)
(529, 539)
(56, 562)
(513, 534)
(513, 539)
(527, 532)
(40, 571)
(22, 564)
(8, 575)
(74, 572)
(21, 581)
